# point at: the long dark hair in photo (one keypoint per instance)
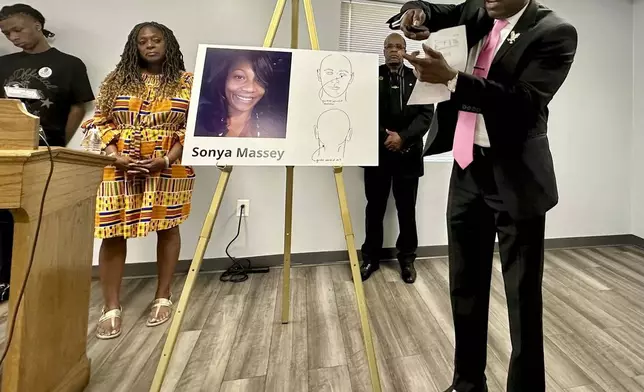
(272, 71)
(127, 78)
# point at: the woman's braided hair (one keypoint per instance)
(127, 77)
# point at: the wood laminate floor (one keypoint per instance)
(233, 341)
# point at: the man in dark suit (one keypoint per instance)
(402, 129)
(503, 181)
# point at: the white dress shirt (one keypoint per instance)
(480, 136)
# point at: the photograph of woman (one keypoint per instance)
(244, 93)
(141, 114)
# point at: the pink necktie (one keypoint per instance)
(463, 149)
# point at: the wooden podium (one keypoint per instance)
(48, 350)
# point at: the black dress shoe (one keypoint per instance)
(367, 269)
(408, 272)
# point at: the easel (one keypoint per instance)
(209, 223)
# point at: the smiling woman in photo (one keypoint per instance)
(244, 94)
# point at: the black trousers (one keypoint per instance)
(6, 244)
(379, 182)
(475, 215)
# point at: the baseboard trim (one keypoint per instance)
(319, 258)
(636, 241)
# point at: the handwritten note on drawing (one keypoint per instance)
(452, 43)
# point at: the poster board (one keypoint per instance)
(282, 107)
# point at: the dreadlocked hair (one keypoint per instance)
(127, 78)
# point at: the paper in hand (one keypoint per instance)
(452, 43)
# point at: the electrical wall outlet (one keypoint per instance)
(246, 205)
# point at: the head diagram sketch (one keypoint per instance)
(332, 132)
(335, 75)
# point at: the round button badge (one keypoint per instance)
(45, 72)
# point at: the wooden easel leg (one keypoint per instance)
(288, 208)
(349, 236)
(310, 23)
(357, 279)
(288, 224)
(195, 266)
(295, 24)
(275, 23)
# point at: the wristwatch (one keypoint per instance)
(451, 85)
(167, 161)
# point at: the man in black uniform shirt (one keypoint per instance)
(62, 87)
(402, 129)
(60, 79)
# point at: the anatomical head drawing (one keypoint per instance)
(335, 76)
(332, 131)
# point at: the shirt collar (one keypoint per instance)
(398, 71)
(512, 21)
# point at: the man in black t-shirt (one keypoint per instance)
(53, 85)
(59, 80)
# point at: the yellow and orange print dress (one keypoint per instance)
(142, 128)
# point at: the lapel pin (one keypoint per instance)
(513, 37)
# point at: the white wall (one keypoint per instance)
(637, 178)
(590, 126)
(591, 122)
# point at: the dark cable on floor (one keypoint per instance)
(237, 272)
(21, 292)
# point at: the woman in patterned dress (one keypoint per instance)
(141, 114)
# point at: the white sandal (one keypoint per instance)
(157, 305)
(111, 315)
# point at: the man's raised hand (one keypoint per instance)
(412, 24)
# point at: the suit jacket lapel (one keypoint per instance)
(526, 21)
(408, 82)
(480, 29)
